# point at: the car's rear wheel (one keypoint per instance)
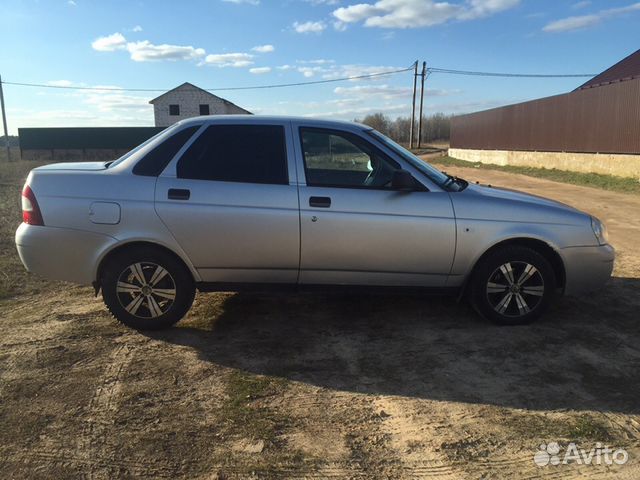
(147, 288)
(513, 285)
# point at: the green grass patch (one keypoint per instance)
(596, 180)
(583, 427)
(243, 410)
(246, 414)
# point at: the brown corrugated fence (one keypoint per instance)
(605, 119)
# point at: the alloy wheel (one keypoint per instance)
(515, 289)
(146, 290)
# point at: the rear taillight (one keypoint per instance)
(30, 209)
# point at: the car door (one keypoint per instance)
(231, 201)
(357, 230)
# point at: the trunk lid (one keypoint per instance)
(83, 166)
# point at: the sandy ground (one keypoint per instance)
(315, 386)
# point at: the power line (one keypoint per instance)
(313, 82)
(253, 87)
(517, 75)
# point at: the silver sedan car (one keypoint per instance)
(247, 202)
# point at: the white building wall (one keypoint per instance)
(189, 100)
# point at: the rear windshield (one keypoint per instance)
(139, 151)
(157, 159)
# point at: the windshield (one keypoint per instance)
(439, 178)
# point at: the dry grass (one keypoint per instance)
(15, 154)
(316, 386)
(596, 180)
(13, 278)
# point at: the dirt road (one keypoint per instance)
(316, 386)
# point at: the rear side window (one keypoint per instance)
(154, 162)
(237, 153)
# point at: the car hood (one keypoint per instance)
(92, 166)
(515, 196)
(482, 202)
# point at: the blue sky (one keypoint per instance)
(223, 43)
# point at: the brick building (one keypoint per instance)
(187, 101)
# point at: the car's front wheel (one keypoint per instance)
(147, 288)
(513, 285)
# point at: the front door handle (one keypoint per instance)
(320, 202)
(179, 194)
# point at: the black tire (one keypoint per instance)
(150, 307)
(514, 305)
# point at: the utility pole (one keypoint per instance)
(413, 104)
(4, 122)
(423, 75)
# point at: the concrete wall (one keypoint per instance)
(189, 100)
(621, 165)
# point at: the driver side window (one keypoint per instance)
(340, 159)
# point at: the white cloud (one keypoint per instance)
(309, 72)
(367, 91)
(579, 5)
(137, 28)
(260, 70)
(114, 100)
(339, 26)
(60, 83)
(418, 13)
(317, 61)
(248, 2)
(350, 113)
(341, 71)
(572, 23)
(145, 51)
(264, 48)
(72, 3)
(484, 8)
(584, 21)
(327, 69)
(236, 60)
(99, 108)
(323, 2)
(386, 92)
(309, 27)
(115, 41)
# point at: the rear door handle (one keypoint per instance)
(179, 194)
(320, 202)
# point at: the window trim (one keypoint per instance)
(172, 168)
(345, 133)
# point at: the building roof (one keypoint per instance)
(191, 86)
(187, 85)
(626, 69)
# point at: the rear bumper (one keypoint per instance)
(61, 253)
(587, 268)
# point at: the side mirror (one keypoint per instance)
(403, 180)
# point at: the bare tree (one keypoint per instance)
(435, 127)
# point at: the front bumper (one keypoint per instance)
(61, 253)
(587, 268)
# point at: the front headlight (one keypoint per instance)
(600, 231)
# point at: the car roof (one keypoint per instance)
(253, 119)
